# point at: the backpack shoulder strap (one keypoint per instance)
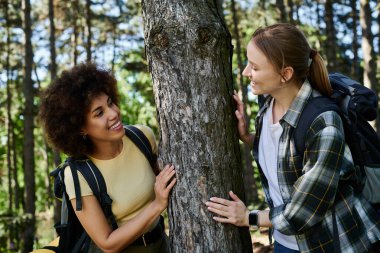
(59, 180)
(73, 167)
(313, 108)
(98, 186)
(260, 100)
(142, 142)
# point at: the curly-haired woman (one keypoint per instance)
(80, 115)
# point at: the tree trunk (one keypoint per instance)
(74, 35)
(9, 107)
(297, 10)
(355, 69)
(189, 53)
(17, 190)
(369, 56)
(53, 75)
(28, 132)
(263, 8)
(53, 64)
(282, 10)
(378, 36)
(9, 124)
(249, 179)
(319, 18)
(291, 11)
(331, 36)
(88, 29)
(115, 35)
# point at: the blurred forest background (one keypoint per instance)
(40, 38)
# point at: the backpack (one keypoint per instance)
(72, 236)
(356, 104)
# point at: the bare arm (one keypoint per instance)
(97, 227)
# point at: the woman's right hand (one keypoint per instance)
(244, 135)
(165, 182)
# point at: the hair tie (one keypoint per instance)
(313, 53)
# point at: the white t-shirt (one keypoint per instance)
(268, 151)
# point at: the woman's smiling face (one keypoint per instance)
(103, 123)
(265, 78)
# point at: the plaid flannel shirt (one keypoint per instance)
(314, 183)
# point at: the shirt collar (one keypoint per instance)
(294, 112)
(295, 109)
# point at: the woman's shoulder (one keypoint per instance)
(326, 126)
(70, 186)
(145, 129)
(148, 132)
(327, 119)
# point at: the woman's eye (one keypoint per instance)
(99, 114)
(253, 67)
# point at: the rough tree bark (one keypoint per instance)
(189, 53)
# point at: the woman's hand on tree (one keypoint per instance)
(244, 135)
(165, 182)
(229, 211)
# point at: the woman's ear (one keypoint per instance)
(287, 73)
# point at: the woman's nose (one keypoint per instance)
(246, 71)
(113, 112)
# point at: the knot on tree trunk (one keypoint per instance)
(159, 39)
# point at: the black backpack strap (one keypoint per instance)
(142, 142)
(98, 186)
(52, 248)
(313, 108)
(83, 239)
(260, 100)
(78, 196)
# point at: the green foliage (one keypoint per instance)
(11, 225)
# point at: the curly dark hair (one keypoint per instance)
(65, 103)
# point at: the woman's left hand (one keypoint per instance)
(165, 182)
(229, 211)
